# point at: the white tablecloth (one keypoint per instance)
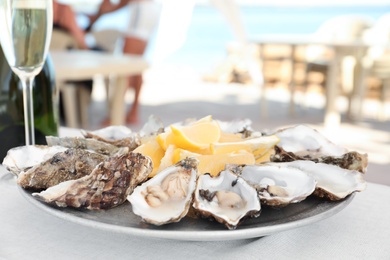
(360, 231)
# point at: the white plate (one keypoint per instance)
(122, 220)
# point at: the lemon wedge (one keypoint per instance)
(258, 146)
(195, 137)
(215, 163)
(152, 149)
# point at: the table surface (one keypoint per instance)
(90, 63)
(360, 231)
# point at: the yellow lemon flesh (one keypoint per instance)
(230, 137)
(195, 137)
(167, 160)
(167, 138)
(152, 149)
(258, 146)
(215, 163)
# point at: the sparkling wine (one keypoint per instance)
(29, 37)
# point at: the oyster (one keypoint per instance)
(277, 185)
(333, 182)
(166, 198)
(63, 166)
(106, 187)
(90, 144)
(21, 158)
(227, 198)
(304, 143)
(121, 136)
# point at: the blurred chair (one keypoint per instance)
(108, 39)
(61, 40)
(345, 28)
(380, 69)
(75, 98)
(379, 58)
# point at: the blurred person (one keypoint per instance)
(64, 19)
(143, 19)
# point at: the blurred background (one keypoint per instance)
(196, 69)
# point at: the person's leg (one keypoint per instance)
(132, 116)
(135, 46)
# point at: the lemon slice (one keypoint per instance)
(195, 137)
(152, 149)
(167, 138)
(215, 163)
(230, 137)
(265, 157)
(167, 160)
(206, 119)
(258, 146)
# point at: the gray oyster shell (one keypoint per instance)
(304, 143)
(333, 182)
(89, 144)
(22, 158)
(277, 184)
(63, 166)
(120, 136)
(106, 187)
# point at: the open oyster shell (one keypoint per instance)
(89, 144)
(227, 198)
(333, 182)
(167, 197)
(106, 187)
(22, 158)
(304, 143)
(277, 185)
(63, 166)
(121, 136)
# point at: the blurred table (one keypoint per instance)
(357, 49)
(78, 65)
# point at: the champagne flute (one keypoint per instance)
(26, 27)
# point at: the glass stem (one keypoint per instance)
(29, 129)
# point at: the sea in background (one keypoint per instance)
(209, 32)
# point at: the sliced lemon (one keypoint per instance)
(265, 157)
(167, 160)
(230, 137)
(206, 119)
(195, 137)
(167, 138)
(258, 146)
(164, 139)
(215, 163)
(152, 149)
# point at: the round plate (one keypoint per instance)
(122, 220)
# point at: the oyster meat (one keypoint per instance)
(121, 136)
(167, 197)
(277, 185)
(304, 143)
(22, 158)
(227, 198)
(63, 166)
(333, 182)
(106, 187)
